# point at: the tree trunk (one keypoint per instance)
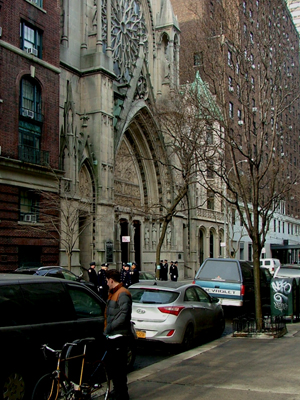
(256, 266)
(69, 255)
(159, 246)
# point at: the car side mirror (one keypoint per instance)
(215, 300)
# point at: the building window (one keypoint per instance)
(233, 219)
(30, 123)
(210, 200)
(30, 39)
(251, 38)
(198, 59)
(229, 58)
(239, 115)
(230, 110)
(29, 206)
(210, 170)
(30, 100)
(209, 135)
(37, 2)
(274, 225)
(230, 84)
(249, 251)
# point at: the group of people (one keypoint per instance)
(99, 279)
(128, 275)
(164, 270)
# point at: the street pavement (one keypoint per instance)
(228, 368)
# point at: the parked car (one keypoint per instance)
(37, 310)
(288, 271)
(232, 281)
(55, 272)
(174, 312)
(147, 275)
(271, 263)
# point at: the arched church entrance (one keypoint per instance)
(136, 188)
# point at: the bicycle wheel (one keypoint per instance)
(99, 381)
(47, 388)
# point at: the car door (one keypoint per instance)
(89, 311)
(198, 309)
(48, 312)
(210, 308)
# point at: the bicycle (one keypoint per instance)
(58, 385)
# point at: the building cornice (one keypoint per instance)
(28, 56)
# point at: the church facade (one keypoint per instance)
(118, 58)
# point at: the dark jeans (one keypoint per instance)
(117, 366)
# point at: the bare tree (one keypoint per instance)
(249, 65)
(65, 214)
(187, 142)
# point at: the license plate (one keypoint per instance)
(141, 334)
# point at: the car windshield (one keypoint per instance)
(152, 296)
(220, 271)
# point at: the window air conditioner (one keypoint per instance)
(27, 217)
(240, 123)
(32, 51)
(230, 88)
(254, 109)
(28, 113)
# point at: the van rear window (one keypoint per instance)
(220, 271)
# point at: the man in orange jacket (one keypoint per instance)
(117, 327)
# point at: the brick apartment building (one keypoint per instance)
(29, 130)
(230, 43)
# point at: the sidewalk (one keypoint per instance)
(227, 368)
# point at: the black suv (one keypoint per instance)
(37, 310)
(55, 272)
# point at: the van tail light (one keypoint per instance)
(242, 290)
(171, 310)
(194, 282)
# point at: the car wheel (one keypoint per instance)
(220, 327)
(188, 339)
(12, 386)
(131, 354)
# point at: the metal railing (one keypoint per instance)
(271, 325)
(34, 156)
